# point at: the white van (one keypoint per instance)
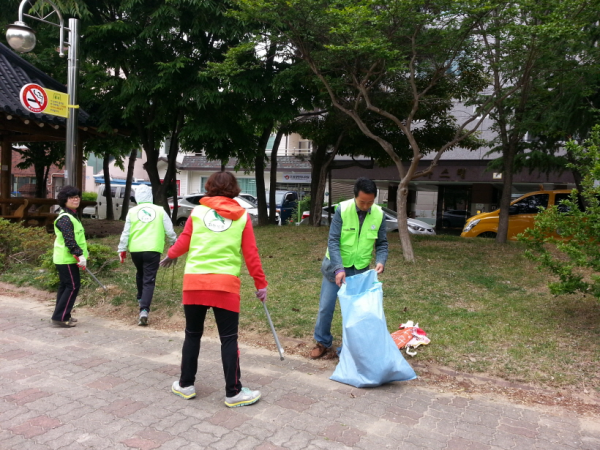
(118, 195)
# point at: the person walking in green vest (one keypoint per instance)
(357, 225)
(70, 254)
(216, 237)
(144, 235)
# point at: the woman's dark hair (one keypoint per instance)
(365, 185)
(65, 193)
(222, 184)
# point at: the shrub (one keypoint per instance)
(89, 196)
(301, 206)
(21, 245)
(574, 257)
(101, 260)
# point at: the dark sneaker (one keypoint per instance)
(244, 398)
(65, 324)
(143, 320)
(186, 392)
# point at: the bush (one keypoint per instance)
(89, 196)
(21, 245)
(301, 206)
(574, 257)
(101, 260)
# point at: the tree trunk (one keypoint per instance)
(320, 164)
(161, 197)
(259, 171)
(273, 177)
(110, 215)
(44, 191)
(40, 185)
(128, 182)
(507, 176)
(318, 178)
(401, 201)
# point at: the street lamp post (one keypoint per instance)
(22, 39)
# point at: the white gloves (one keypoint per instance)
(81, 261)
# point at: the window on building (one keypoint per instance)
(304, 145)
(23, 186)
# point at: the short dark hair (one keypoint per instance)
(222, 184)
(365, 185)
(65, 193)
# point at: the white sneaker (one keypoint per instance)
(186, 392)
(244, 398)
(143, 319)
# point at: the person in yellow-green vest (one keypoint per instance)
(144, 235)
(357, 225)
(70, 254)
(217, 237)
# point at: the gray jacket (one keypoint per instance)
(334, 262)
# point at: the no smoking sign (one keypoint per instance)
(34, 98)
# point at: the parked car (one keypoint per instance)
(391, 221)
(454, 218)
(522, 214)
(187, 203)
(117, 193)
(286, 202)
(249, 198)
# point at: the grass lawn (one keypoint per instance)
(484, 306)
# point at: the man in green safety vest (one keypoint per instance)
(357, 225)
(144, 235)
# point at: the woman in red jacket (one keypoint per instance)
(216, 236)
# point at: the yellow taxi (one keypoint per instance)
(522, 213)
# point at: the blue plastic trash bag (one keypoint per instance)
(369, 355)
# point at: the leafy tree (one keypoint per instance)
(144, 60)
(404, 61)
(259, 92)
(42, 156)
(565, 239)
(532, 51)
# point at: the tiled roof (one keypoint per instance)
(283, 162)
(15, 72)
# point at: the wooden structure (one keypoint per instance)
(19, 125)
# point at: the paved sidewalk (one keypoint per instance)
(104, 385)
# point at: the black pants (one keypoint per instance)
(68, 288)
(227, 324)
(146, 264)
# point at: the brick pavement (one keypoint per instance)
(104, 385)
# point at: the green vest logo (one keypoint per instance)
(215, 222)
(146, 215)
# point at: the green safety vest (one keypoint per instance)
(62, 255)
(216, 243)
(147, 231)
(356, 249)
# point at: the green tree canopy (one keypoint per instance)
(402, 61)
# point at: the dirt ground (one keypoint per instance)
(442, 379)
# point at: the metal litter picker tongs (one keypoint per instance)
(279, 347)
(95, 279)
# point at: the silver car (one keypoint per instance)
(187, 203)
(391, 222)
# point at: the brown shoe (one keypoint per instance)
(318, 351)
